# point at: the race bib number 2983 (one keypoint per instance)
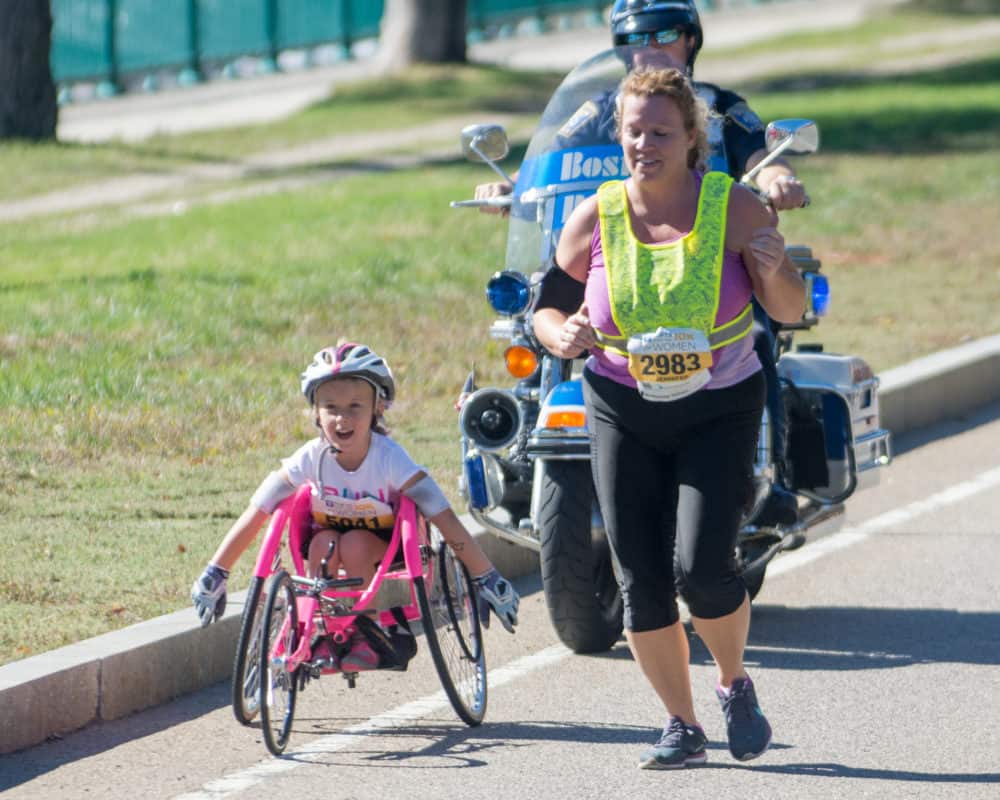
(670, 363)
(668, 366)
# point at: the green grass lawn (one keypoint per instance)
(149, 366)
(150, 375)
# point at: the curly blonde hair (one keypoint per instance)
(672, 83)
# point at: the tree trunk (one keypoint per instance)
(426, 31)
(28, 107)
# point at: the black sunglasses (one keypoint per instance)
(668, 36)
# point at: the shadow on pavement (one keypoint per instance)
(831, 770)
(459, 746)
(817, 638)
(26, 765)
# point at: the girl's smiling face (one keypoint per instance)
(345, 409)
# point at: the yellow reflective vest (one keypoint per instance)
(674, 285)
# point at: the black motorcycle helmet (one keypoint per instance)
(649, 16)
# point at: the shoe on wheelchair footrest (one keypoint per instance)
(361, 657)
(405, 645)
(780, 508)
(324, 654)
(392, 650)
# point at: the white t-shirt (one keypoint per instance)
(346, 500)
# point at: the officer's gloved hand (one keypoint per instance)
(497, 593)
(209, 594)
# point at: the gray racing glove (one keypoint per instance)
(209, 594)
(497, 593)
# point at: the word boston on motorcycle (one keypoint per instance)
(525, 450)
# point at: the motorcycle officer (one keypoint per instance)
(668, 33)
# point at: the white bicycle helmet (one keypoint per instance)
(354, 360)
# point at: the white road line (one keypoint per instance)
(404, 715)
(890, 519)
(399, 717)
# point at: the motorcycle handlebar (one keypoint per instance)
(502, 201)
(753, 187)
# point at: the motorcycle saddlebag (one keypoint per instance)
(835, 442)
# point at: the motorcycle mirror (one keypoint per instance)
(796, 136)
(799, 136)
(487, 143)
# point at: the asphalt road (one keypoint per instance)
(875, 651)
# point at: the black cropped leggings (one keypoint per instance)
(690, 460)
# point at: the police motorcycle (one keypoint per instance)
(525, 450)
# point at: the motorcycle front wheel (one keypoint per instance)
(581, 591)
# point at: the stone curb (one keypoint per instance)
(946, 384)
(150, 663)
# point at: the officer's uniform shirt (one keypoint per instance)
(734, 131)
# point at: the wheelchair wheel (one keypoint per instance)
(278, 687)
(449, 612)
(246, 666)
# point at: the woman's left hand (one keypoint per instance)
(768, 249)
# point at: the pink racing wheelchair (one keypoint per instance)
(286, 614)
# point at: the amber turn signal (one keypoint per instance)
(521, 362)
(565, 419)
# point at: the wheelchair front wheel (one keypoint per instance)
(246, 665)
(450, 616)
(278, 686)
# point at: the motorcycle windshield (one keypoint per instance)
(571, 153)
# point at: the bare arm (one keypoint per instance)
(568, 335)
(778, 182)
(776, 282)
(239, 537)
(272, 490)
(461, 542)
(456, 535)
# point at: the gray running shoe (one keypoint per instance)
(680, 745)
(746, 726)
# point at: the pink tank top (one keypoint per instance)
(733, 362)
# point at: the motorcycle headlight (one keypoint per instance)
(509, 293)
(818, 293)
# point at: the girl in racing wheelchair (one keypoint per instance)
(356, 474)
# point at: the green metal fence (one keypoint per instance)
(485, 13)
(102, 40)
